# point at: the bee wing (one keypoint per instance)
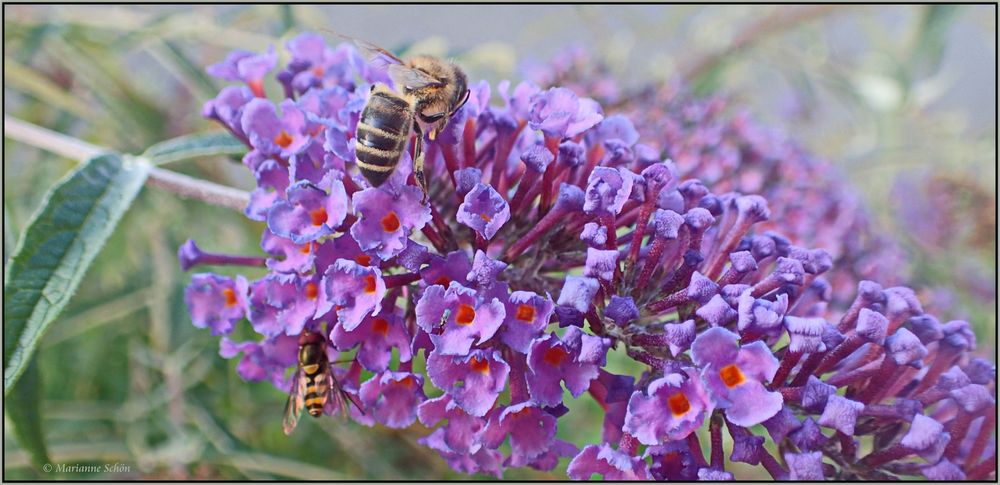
(411, 78)
(293, 407)
(373, 52)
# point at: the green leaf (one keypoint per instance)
(192, 146)
(23, 410)
(57, 246)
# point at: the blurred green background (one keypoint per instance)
(902, 99)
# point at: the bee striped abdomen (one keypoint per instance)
(382, 134)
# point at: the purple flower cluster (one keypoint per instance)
(811, 205)
(551, 238)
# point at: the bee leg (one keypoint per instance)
(418, 162)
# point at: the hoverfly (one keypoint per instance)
(313, 383)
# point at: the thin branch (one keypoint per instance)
(79, 150)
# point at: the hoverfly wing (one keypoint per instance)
(293, 407)
(338, 398)
(411, 78)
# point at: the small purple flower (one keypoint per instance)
(527, 316)
(532, 431)
(216, 302)
(272, 135)
(377, 336)
(483, 460)
(455, 318)
(246, 67)
(393, 397)
(283, 303)
(484, 210)
(309, 213)
(736, 375)
(474, 381)
(574, 359)
(455, 266)
(559, 113)
(227, 108)
(611, 464)
(672, 407)
(266, 360)
(462, 432)
(387, 219)
(272, 181)
(353, 291)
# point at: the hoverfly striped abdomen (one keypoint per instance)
(315, 369)
(382, 134)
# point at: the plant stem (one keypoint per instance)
(80, 150)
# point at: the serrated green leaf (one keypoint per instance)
(56, 247)
(192, 146)
(23, 410)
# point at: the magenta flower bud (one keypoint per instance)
(714, 475)
(608, 189)
(601, 263)
(717, 312)
(594, 235)
(943, 471)
(905, 348)
(841, 414)
(808, 436)
(621, 310)
(805, 466)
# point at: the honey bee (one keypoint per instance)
(313, 383)
(432, 90)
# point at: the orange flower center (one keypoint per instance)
(521, 413)
(318, 216)
(407, 382)
(312, 291)
(485, 217)
(731, 376)
(525, 313)
(370, 284)
(443, 281)
(257, 86)
(380, 326)
(306, 248)
(678, 404)
(390, 223)
(363, 259)
(318, 71)
(283, 139)
(480, 365)
(465, 315)
(555, 356)
(230, 296)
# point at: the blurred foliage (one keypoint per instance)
(127, 379)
